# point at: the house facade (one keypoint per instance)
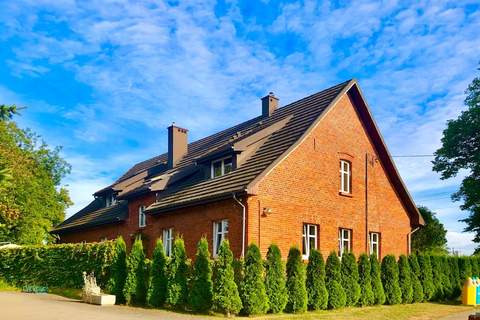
(315, 173)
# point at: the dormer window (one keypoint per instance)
(221, 167)
(110, 200)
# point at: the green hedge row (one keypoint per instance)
(56, 265)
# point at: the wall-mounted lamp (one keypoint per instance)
(267, 211)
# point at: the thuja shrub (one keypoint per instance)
(135, 283)
(59, 265)
(390, 280)
(118, 271)
(158, 284)
(474, 266)
(336, 293)
(365, 281)
(275, 282)
(417, 287)
(225, 293)
(446, 274)
(455, 281)
(405, 278)
(177, 272)
(349, 272)
(465, 269)
(254, 297)
(297, 292)
(316, 290)
(426, 276)
(377, 286)
(200, 296)
(437, 278)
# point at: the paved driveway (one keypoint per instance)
(28, 306)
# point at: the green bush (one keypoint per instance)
(390, 280)
(474, 266)
(377, 286)
(254, 297)
(365, 281)
(135, 283)
(118, 271)
(177, 272)
(349, 271)
(405, 279)
(59, 265)
(465, 268)
(225, 293)
(437, 271)
(426, 276)
(336, 294)
(448, 287)
(316, 289)
(200, 297)
(417, 287)
(157, 293)
(239, 273)
(275, 282)
(297, 292)
(455, 281)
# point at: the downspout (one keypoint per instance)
(243, 222)
(366, 203)
(410, 239)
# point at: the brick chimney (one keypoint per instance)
(269, 104)
(177, 144)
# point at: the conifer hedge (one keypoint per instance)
(349, 271)
(390, 280)
(377, 286)
(157, 293)
(254, 297)
(405, 279)
(297, 291)
(177, 273)
(275, 282)
(316, 290)
(417, 287)
(118, 271)
(135, 284)
(426, 276)
(336, 294)
(200, 296)
(365, 281)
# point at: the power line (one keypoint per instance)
(415, 156)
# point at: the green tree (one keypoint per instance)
(377, 286)
(32, 199)
(460, 150)
(135, 284)
(225, 292)
(405, 279)
(418, 295)
(336, 294)
(393, 293)
(426, 276)
(316, 289)
(275, 282)
(118, 271)
(349, 271)
(201, 291)
(177, 272)
(297, 291)
(437, 278)
(254, 297)
(455, 277)
(365, 281)
(157, 293)
(432, 237)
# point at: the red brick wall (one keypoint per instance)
(93, 234)
(304, 188)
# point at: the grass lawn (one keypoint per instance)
(6, 287)
(67, 293)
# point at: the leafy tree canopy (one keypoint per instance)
(432, 237)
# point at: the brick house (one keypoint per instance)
(315, 173)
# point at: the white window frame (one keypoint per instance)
(306, 236)
(142, 217)
(220, 228)
(375, 242)
(110, 200)
(222, 161)
(345, 172)
(342, 238)
(168, 241)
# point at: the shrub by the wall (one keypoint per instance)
(316, 290)
(275, 282)
(135, 283)
(225, 293)
(418, 295)
(177, 272)
(426, 276)
(254, 297)
(437, 271)
(297, 292)
(118, 271)
(365, 281)
(57, 265)
(349, 271)
(200, 296)
(157, 293)
(377, 286)
(390, 280)
(405, 279)
(336, 293)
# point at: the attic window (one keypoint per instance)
(110, 200)
(221, 167)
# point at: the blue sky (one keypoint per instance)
(104, 79)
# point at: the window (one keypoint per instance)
(142, 218)
(310, 239)
(221, 167)
(168, 241)
(375, 243)
(110, 200)
(220, 232)
(345, 241)
(345, 176)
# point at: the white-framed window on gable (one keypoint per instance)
(375, 243)
(110, 200)
(309, 239)
(344, 241)
(142, 218)
(168, 241)
(220, 232)
(345, 176)
(221, 167)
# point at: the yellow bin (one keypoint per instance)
(469, 295)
